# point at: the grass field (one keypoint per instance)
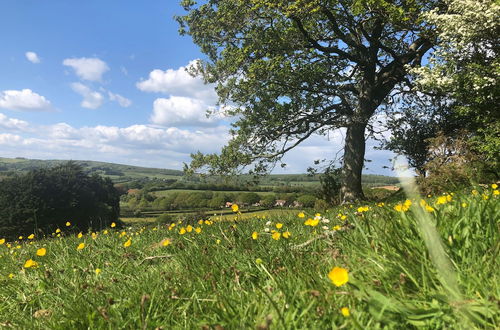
(362, 267)
(162, 193)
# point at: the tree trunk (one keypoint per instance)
(354, 155)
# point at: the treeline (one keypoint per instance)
(45, 199)
(190, 200)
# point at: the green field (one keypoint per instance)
(216, 275)
(163, 193)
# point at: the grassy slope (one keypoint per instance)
(213, 278)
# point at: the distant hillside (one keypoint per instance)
(117, 172)
(125, 173)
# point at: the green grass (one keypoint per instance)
(163, 193)
(215, 278)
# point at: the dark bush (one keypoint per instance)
(45, 199)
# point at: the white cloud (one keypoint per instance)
(179, 83)
(122, 101)
(179, 110)
(12, 123)
(32, 57)
(23, 100)
(136, 144)
(91, 99)
(90, 69)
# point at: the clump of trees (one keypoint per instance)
(45, 199)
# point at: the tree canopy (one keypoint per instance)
(290, 69)
(45, 199)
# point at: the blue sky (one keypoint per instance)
(105, 80)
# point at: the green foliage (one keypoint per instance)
(307, 200)
(45, 199)
(292, 69)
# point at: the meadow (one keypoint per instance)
(366, 266)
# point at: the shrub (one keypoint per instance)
(45, 199)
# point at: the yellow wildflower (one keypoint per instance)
(182, 231)
(127, 243)
(189, 228)
(337, 227)
(200, 222)
(301, 215)
(235, 207)
(113, 225)
(362, 209)
(287, 234)
(338, 276)
(255, 235)
(97, 271)
(94, 235)
(58, 231)
(496, 192)
(279, 225)
(197, 230)
(11, 276)
(123, 233)
(80, 246)
(2, 241)
(464, 205)
(30, 263)
(258, 261)
(41, 252)
(68, 223)
(380, 204)
(345, 311)
(217, 241)
(165, 242)
(494, 186)
(31, 236)
(485, 197)
(475, 192)
(105, 231)
(276, 236)
(20, 237)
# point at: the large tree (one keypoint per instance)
(290, 69)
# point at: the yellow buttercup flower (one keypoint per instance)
(68, 223)
(197, 230)
(235, 207)
(20, 237)
(494, 186)
(80, 246)
(165, 242)
(58, 231)
(189, 228)
(496, 192)
(301, 215)
(362, 209)
(258, 261)
(255, 235)
(2, 241)
(338, 276)
(11, 276)
(279, 225)
(182, 231)
(97, 271)
(113, 225)
(105, 231)
(276, 236)
(41, 252)
(127, 243)
(287, 234)
(94, 235)
(217, 241)
(337, 227)
(30, 263)
(31, 236)
(345, 311)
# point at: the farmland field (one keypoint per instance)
(364, 266)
